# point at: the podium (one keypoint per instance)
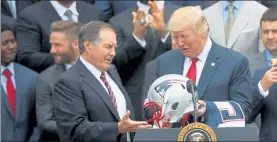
(222, 134)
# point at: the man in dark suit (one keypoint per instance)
(12, 7)
(89, 100)
(33, 28)
(153, 37)
(18, 118)
(269, 37)
(63, 38)
(220, 74)
(264, 102)
(264, 82)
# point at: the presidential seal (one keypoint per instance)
(197, 132)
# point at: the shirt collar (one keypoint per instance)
(10, 67)
(67, 66)
(146, 8)
(91, 68)
(236, 4)
(61, 9)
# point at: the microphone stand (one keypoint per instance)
(191, 89)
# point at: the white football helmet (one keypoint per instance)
(169, 99)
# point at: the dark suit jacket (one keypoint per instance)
(83, 109)
(20, 5)
(228, 79)
(47, 79)
(112, 8)
(258, 62)
(270, 4)
(23, 126)
(8, 21)
(44, 107)
(33, 31)
(133, 74)
(266, 107)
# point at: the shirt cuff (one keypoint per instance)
(163, 39)
(142, 43)
(263, 93)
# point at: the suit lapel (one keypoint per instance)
(240, 22)
(112, 74)
(208, 71)
(5, 101)
(216, 21)
(92, 82)
(20, 89)
(51, 14)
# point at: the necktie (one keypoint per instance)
(68, 13)
(103, 78)
(230, 22)
(10, 90)
(191, 74)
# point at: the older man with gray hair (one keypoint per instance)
(89, 99)
(221, 75)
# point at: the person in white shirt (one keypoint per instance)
(89, 99)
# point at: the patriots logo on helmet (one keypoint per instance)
(162, 87)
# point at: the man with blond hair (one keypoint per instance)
(221, 75)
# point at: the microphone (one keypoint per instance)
(191, 88)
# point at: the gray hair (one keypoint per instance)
(91, 33)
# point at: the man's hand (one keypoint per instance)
(157, 18)
(139, 30)
(128, 125)
(269, 78)
(202, 108)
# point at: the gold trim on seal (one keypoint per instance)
(195, 126)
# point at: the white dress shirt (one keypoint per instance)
(120, 99)
(12, 5)
(67, 66)
(3, 77)
(201, 61)
(263, 93)
(146, 8)
(62, 9)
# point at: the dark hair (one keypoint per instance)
(91, 32)
(5, 27)
(69, 27)
(269, 15)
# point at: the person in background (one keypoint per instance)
(264, 78)
(18, 115)
(153, 36)
(33, 24)
(235, 25)
(64, 48)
